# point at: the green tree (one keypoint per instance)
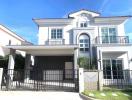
(4, 61)
(19, 61)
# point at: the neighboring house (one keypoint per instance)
(7, 37)
(61, 41)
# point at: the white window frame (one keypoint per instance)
(84, 45)
(108, 27)
(56, 35)
(110, 59)
(82, 24)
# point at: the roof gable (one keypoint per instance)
(83, 11)
(11, 33)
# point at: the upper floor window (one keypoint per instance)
(56, 33)
(109, 34)
(84, 43)
(83, 24)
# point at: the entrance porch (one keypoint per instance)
(115, 64)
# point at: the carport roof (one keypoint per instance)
(45, 50)
(40, 47)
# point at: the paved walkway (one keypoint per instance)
(29, 95)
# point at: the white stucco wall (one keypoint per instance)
(71, 32)
(43, 35)
(121, 31)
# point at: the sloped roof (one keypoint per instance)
(8, 31)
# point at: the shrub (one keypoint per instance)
(84, 62)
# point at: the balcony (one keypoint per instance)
(55, 42)
(112, 40)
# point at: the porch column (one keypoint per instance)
(11, 63)
(75, 59)
(27, 67)
(99, 59)
(1, 74)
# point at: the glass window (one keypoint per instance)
(84, 43)
(81, 45)
(106, 69)
(81, 49)
(112, 69)
(86, 40)
(83, 24)
(86, 49)
(81, 40)
(56, 33)
(108, 35)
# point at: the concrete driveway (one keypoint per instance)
(29, 95)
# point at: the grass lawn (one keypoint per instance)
(109, 95)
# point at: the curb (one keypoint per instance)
(84, 97)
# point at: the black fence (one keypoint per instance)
(117, 79)
(43, 80)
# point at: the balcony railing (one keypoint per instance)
(112, 40)
(55, 42)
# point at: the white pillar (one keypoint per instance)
(75, 59)
(27, 66)
(100, 80)
(75, 64)
(11, 63)
(81, 80)
(99, 59)
(1, 73)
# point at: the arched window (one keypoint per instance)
(84, 43)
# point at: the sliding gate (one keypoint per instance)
(40, 80)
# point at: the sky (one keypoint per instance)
(17, 15)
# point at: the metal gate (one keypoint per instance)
(40, 80)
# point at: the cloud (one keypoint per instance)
(105, 2)
(111, 7)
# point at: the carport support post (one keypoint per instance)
(75, 59)
(1, 73)
(75, 64)
(27, 67)
(11, 64)
(99, 59)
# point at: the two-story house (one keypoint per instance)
(61, 41)
(89, 35)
